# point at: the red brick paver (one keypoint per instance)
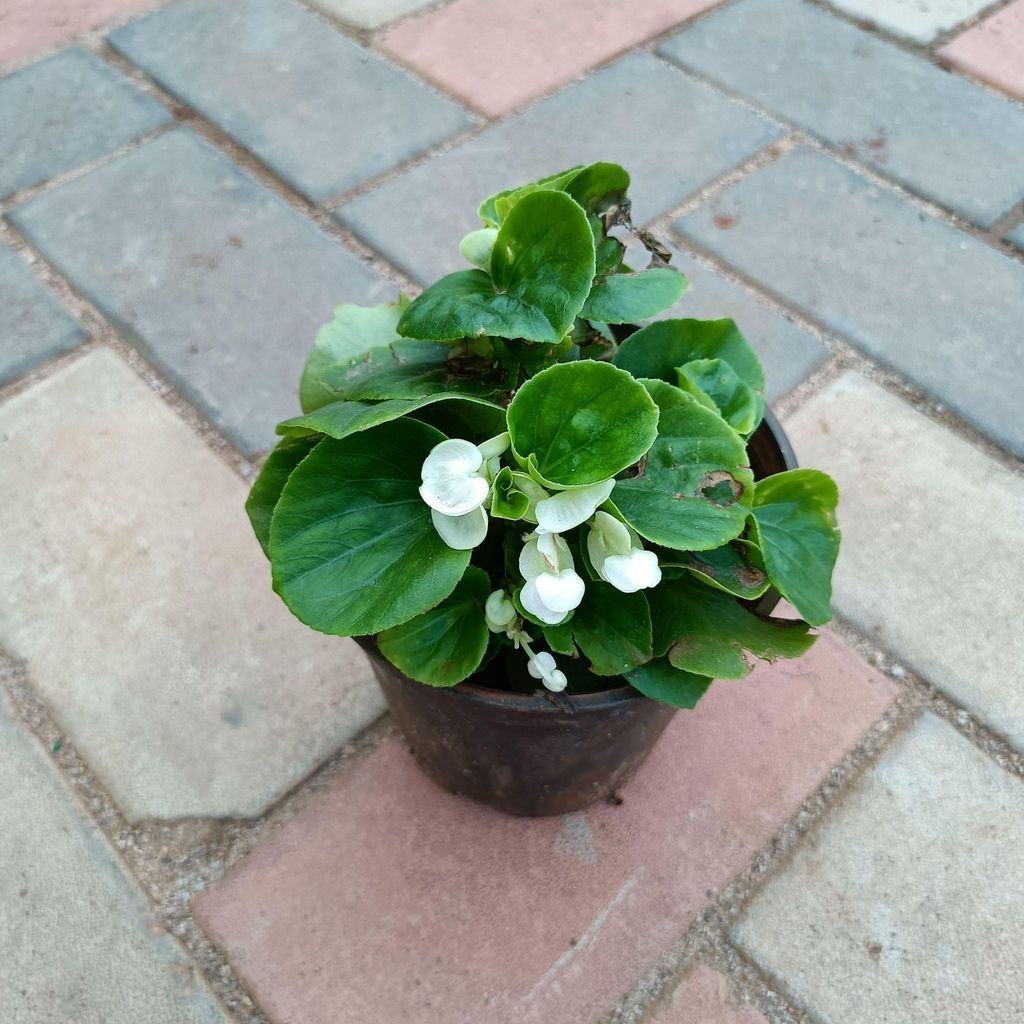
(498, 54)
(30, 27)
(703, 998)
(993, 50)
(390, 899)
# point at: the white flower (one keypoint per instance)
(552, 588)
(456, 482)
(567, 509)
(500, 612)
(618, 557)
(542, 666)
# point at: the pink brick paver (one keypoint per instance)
(389, 899)
(31, 27)
(703, 998)
(993, 50)
(498, 54)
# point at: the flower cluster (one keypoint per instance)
(458, 479)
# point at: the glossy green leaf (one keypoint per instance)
(592, 186)
(353, 332)
(409, 369)
(707, 632)
(627, 298)
(694, 489)
(542, 266)
(613, 629)
(267, 488)
(339, 419)
(581, 423)
(447, 643)
(657, 349)
(661, 681)
(734, 568)
(716, 383)
(507, 500)
(794, 519)
(494, 209)
(559, 638)
(352, 545)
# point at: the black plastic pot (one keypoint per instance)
(541, 753)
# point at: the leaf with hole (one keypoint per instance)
(695, 488)
(710, 633)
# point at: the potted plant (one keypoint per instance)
(548, 529)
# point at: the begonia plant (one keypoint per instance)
(498, 469)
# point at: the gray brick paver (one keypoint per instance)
(34, 327)
(907, 905)
(929, 567)
(936, 304)
(323, 112)
(66, 111)
(917, 20)
(141, 603)
(79, 944)
(672, 133)
(940, 135)
(219, 282)
(789, 353)
(371, 13)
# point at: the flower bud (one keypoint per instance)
(476, 247)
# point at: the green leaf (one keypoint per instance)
(406, 370)
(733, 568)
(627, 298)
(542, 266)
(353, 331)
(592, 187)
(613, 629)
(507, 501)
(494, 209)
(695, 489)
(447, 643)
(707, 632)
(581, 423)
(794, 520)
(266, 490)
(352, 545)
(598, 185)
(339, 419)
(559, 638)
(657, 349)
(661, 681)
(714, 381)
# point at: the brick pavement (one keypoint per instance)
(227, 836)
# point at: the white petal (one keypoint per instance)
(556, 681)
(453, 457)
(567, 509)
(541, 664)
(495, 446)
(531, 561)
(562, 592)
(499, 611)
(555, 551)
(536, 607)
(638, 570)
(455, 496)
(461, 532)
(615, 534)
